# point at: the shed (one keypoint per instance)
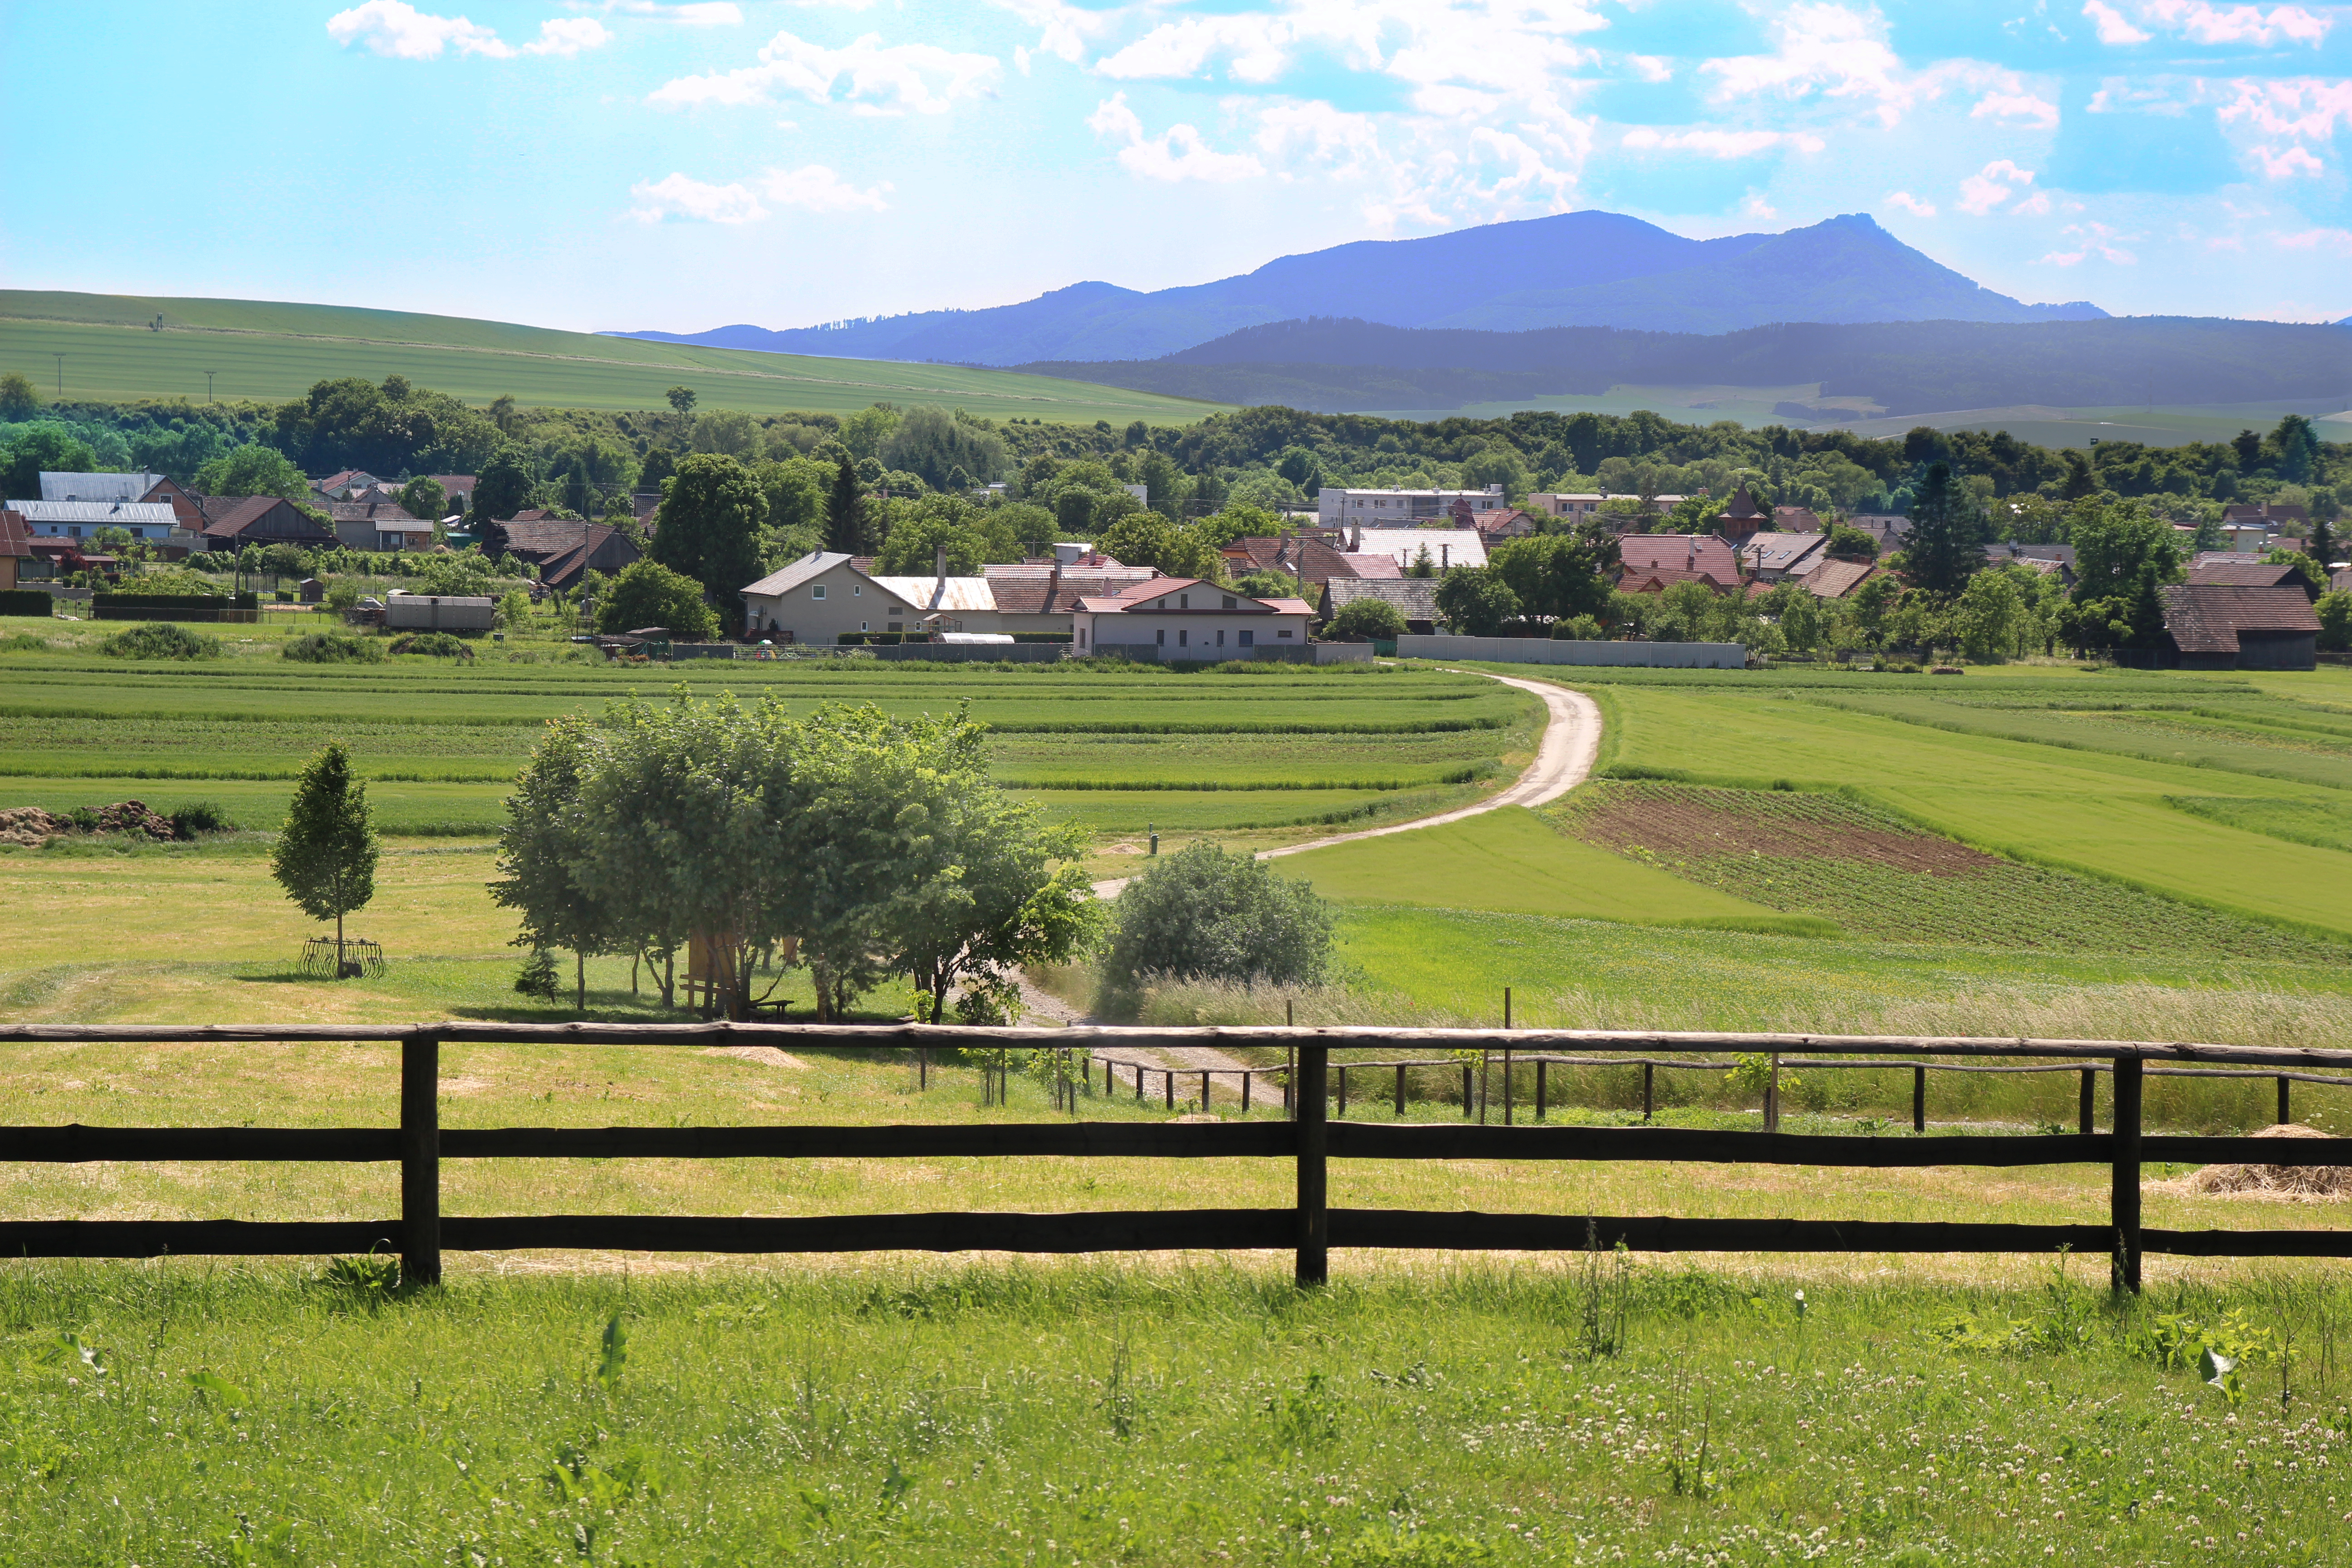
(310, 591)
(2217, 627)
(1414, 597)
(437, 612)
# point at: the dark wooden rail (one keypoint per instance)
(1311, 1227)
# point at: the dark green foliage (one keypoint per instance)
(2122, 556)
(1476, 601)
(538, 977)
(332, 647)
(503, 486)
(386, 429)
(933, 445)
(709, 526)
(440, 645)
(30, 449)
(1202, 914)
(1850, 544)
(1557, 575)
(326, 853)
(26, 601)
(1374, 618)
(159, 639)
(648, 593)
(845, 511)
(200, 816)
(1945, 546)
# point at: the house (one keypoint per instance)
(1655, 561)
(1771, 556)
(339, 486)
(1447, 547)
(824, 597)
(2249, 536)
(151, 522)
(2216, 626)
(2044, 560)
(1796, 520)
(15, 546)
(1504, 522)
(1886, 530)
(1742, 518)
(1581, 506)
(2271, 513)
(1040, 597)
(459, 489)
(564, 550)
(98, 487)
(378, 525)
(1308, 557)
(1838, 579)
(1187, 618)
(1414, 597)
(1337, 508)
(2251, 574)
(232, 522)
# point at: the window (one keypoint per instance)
(1163, 636)
(817, 592)
(856, 590)
(1229, 601)
(1183, 637)
(1082, 636)
(862, 626)
(1283, 633)
(1248, 637)
(1183, 601)
(1221, 637)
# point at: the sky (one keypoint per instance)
(621, 164)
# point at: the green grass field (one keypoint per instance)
(274, 351)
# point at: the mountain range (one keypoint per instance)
(1591, 269)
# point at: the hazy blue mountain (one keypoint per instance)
(1911, 367)
(1581, 269)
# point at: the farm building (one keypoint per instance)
(2219, 626)
(438, 613)
(824, 597)
(232, 522)
(1041, 597)
(15, 546)
(1771, 556)
(152, 522)
(1655, 561)
(1837, 579)
(1414, 597)
(1186, 618)
(2250, 574)
(563, 550)
(378, 525)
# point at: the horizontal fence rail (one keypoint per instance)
(1309, 1139)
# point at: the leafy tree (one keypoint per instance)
(648, 593)
(794, 490)
(1423, 564)
(1989, 616)
(2335, 612)
(728, 431)
(34, 447)
(1945, 546)
(1268, 585)
(709, 526)
(503, 486)
(1148, 539)
(933, 445)
(1476, 601)
(681, 399)
(1847, 544)
(17, 399)
(2298, 447)
(1499, 464)
(1375, 620)
(1302, 467)
(1202, 914)
(326, 853)
(387, 429)
(541, 853)
(253, 470)
(659, 465)
(845, 512)
(864, 432)
(2310, 571)
(1558, 575)
(424, 497)
(2116, 546)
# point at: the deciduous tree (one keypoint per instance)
(709, 527)
(326, 853)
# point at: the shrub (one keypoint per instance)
(1202, 914)
(26, 601)
(1577, 628)
(539, 977)
(159, 639)
(1375, 619)
(440, 645)
(649, 593)
(200, 816)
(333, 648)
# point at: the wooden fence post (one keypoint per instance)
(1772, 1097)
(1920, 1098)
(1541, 1064)
(1314, 1214)
(2124, 1195)
(1400, 1090)
(1204, 1091)
(1465, 1091)
(420, 1159)
(1649, 1090)
(2086, 1112)
(1342, 1112)
(1247, 1079)
(1168, 1081)
(1507, 1084)
(2286, 1114)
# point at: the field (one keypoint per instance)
(274, 351)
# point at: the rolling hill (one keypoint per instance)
(1586, 268)
(273, 350)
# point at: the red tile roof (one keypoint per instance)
(15, 537)
(2208, 618)
(2245, 574)
(1690, 554)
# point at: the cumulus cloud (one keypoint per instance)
(1910, 203)
(814, 188)
(2336, 241)
(2308, 109)
(2202, 23)
(567, 36)
(2287, 163)
(2039, 112)
(875, 77)
(1720, 143)
(2113, 27)
(2096, 240)
(400, 31)
(1831, 51)
(1995, 184)
(1255, 48)
(1062, 29)
(1177, 153)
(693, 13)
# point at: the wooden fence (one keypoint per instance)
(1309, 1227)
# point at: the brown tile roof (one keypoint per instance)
(1658, 579)
(1743, 508)
(1796, 520)
(369, 511)
(228, 516)
(1042, 591)
(1689, 555)
(2208, 617)
(1300, 556)
(16, 539)
(1414, 597)
(1836, 579)
(1378, 567)
(2245, 574)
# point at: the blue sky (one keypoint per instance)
(624, 163)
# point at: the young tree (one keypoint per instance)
(1558, 575)
(648, 593)
(541, 852)
(1988, 617)
(1946, 546)
(681, 399)
(1201, 915)
(709, 527)
(1847, 544)
(17, 399)
(326, 852)
(424, 497)
(996, 900)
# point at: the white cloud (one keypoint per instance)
(567, 36)
(694, 13)
(1177, 153)
(1721, 143)
(1910, 203)
(1831, 50)
(1756, 206)
(2114, 27)
(2336, 240)
(878, 78)
(2034, 205)
(1062, 29)
(2202, 23)
(678, 196)
(2286, 164)
(1341, 143)
(1255, 47)
(1999, 180)
(2306, 108)
(2040, 112)
(1652, 68)
(814, 188)
(400, 31)
(2098, 239)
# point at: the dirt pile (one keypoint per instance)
(29, 827)
(2271, 1181)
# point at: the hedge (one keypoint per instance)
(173, 601)
(26, 601)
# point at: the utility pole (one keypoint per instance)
(61, 371)
(208, 385)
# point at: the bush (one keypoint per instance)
(200, 816)
(1376, 620)
(538, 977)
(26, 601)
(159, 639)
(649, 593)
(1577, 628)
(440, 645)
(1202, 914)
(333, 648)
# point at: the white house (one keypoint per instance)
(150, 520)
(821, 598)
(1187, 618)
(1337, 508)
(1447, 547)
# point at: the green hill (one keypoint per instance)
(264, 349)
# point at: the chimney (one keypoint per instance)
(1357, 547)
(939, 588)
(1444, 551)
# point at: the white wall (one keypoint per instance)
(1543, 650)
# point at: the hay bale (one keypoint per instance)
(2305, 1181)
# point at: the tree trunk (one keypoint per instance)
(669, 978)
(580, 979)
(339, 945)
(634, 959)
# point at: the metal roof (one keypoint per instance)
(98, 487)
(104, 513)
(814, 564)
(963, 594)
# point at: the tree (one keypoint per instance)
(1945, 546)
(1375, 620)
(424, 497)
(2335, 612)
(1202, 914)
(1302, 467)
(1989, 616)
(845, 512)
(503, 486)
(17, 398)
(1849, 545)
(1476, 601)
(253, 470)
(541, 852)
(648, 593)
(681, 399)
(2298, 446)
(709, 527)
(2310, 571)
(326, 853)
(1423, 564)
(1148, 539)
(1556, 576)
(933, 445)
(928, 525)
(996, 900)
